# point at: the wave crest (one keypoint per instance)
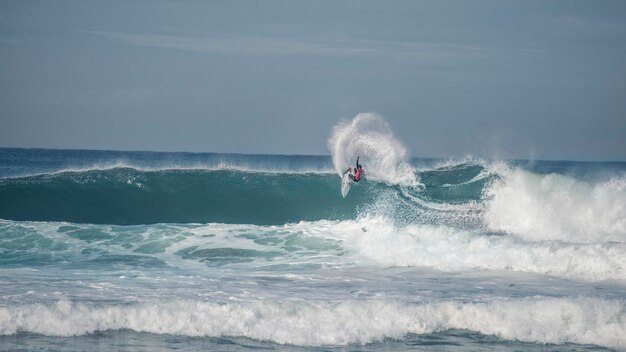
(315, 323)
(543, 207)
(450, 249)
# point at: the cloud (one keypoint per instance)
(587, 24)
(275, 46)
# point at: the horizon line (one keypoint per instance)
(466, 156)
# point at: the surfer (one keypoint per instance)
(358, 172)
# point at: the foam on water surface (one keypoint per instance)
(577, 320)
(263, 250)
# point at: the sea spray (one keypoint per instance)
(553, 206)
(369, 137)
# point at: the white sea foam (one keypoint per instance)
(383, 157)
(193, 166)
(313, 323)
(366, 241)
(557, 207)
(449, 249)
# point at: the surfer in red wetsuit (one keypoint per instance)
(358, 172)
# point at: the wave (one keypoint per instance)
(129, 196)
(366, 241)
(221, 166)
(317, 323)
(553, 206)
(17, 163)
(495, 198)
(126, 196)
(451, 249)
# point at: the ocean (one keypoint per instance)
(153, 251)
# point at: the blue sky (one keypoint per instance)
(496, 79)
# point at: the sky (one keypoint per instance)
(494, 79)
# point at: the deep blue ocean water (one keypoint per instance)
(146, 251)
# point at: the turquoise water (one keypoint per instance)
(151, 251)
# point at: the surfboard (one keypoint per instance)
(346, 182)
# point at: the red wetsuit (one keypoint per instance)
(358, 174)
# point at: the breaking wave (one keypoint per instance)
(310, 323)
(557, 207)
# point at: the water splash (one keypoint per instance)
(368, 135)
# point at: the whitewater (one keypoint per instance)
(144, 251)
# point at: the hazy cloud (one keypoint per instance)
(277, 46)
(588, 24)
